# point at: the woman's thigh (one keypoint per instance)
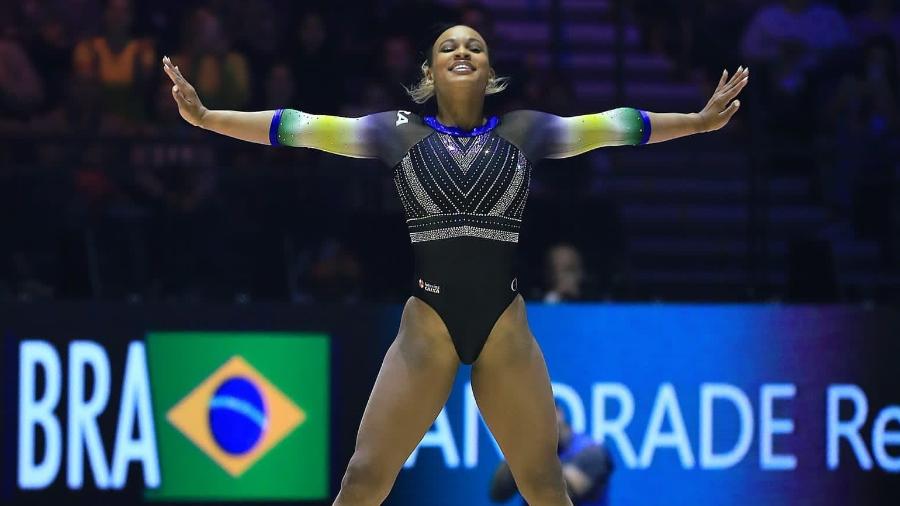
(411, 388)
(512, 387)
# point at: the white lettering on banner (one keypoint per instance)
(769, 426)
(666, 406)
(34, 413)
(83, 435)
(83, 432)
(135, 406)
(440, 436)
(848, 430)
(471, 418)
(881, 438)
(613, 409)
(709, 393)
(614, 430)
(568, 397)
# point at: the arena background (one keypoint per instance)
(738, 290)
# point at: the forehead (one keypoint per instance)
(459, 33)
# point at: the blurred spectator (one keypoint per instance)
(665, 25)
(715, 37)
(21, 88)
(179, 192)
(317, 65)
(256, 27)
(475, 15)
(398, 68)
(79, 112)
(586, 465)
(121, 63)
(880, 18)
(220, 74)
(796, 33)
(790, 47)
(565, 274)
(280, 87)
(51, 46)
(335, 274)
(865, 121)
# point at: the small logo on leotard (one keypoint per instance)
(428, 287)
(402, 117)
(514, 285)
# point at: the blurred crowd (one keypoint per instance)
(106, 193)
(825, 97)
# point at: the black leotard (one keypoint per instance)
(464, 194)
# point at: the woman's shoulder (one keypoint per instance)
(524, 120)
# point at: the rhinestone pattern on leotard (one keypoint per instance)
(454, 186)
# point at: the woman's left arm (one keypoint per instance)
(574, 135)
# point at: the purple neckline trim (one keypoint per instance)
(491, 123)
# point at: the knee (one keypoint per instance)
(364, 482)
(544, 486)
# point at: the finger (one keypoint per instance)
(722, 80)
(176, 79)
(172, 71)
(178, 73)
(735, 78)
(730, 111)
(730, 94)
(742, 73)
(171, 75)
(181, 96)
(168, 66)
(741, 82)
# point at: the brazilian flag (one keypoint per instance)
(240, 415)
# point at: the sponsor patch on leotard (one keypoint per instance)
(428, 287)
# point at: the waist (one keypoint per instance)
(460, 225)
(465, 262)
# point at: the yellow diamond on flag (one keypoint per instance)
(191, 416)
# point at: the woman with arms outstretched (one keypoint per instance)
(463, 180)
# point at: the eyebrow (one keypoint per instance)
(453, 39)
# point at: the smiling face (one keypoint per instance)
(459, 58)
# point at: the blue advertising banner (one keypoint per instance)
(698, 405)
(701, 405)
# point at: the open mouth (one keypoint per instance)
(462, 67)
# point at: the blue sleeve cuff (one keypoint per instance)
(273, 128)
(648, 128)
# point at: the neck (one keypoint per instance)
(461, 110)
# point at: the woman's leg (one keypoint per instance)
(512, 388)
(411, 388)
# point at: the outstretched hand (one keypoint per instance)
(722, 106)
(189, 105)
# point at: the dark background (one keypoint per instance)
(105, 193)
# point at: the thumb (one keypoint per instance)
(731, 110)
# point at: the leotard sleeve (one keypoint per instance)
(543, 135)
(378, 135)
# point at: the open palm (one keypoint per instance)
(722, 105)
(189, 105)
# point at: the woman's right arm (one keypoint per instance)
(352, 137)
